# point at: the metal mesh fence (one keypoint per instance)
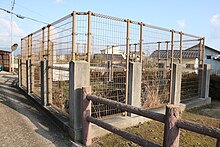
(156, 75)
(108, 44)
(108, 62)
(36, 57)
(24, 57)
(60, 54)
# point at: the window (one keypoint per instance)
(208, 57)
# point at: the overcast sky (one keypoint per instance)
(198, 17)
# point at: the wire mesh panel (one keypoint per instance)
(36, 57)
(24, 57)
(191, 77)
(134, 42)
(156, 74)
(108, 62)
(60, 54)
(81, 36)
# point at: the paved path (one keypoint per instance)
(21, 124)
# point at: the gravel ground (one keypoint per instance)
(21, 124)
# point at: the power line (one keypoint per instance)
(22, 17)
(32, 11)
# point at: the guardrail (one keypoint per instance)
(171, 119)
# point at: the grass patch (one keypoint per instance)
(153, 131)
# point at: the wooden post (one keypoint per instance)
(86, 111)
(218, 143)
(171, 131)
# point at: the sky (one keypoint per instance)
(198, 17)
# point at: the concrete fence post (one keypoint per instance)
(19, 73)
(78, 77)
(86, 111)
(176, 82)
(134, 84)
(171, 131)
(205, 81)
(44, 82)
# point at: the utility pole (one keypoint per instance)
(12, 52)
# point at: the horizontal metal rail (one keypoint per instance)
(139, 111)
(122, 133)
(59, 68)
(199, 128)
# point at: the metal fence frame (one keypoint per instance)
(76, 29)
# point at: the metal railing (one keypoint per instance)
(171, 119)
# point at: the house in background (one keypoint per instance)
(211, 56)
(190, 57)
(112, 50)
(5, 60)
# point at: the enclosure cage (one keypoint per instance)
(108, 44)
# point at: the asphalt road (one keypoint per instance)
(21, 124)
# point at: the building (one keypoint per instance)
(190, 57)
(112, 50)
(5, 60)
(211, 56)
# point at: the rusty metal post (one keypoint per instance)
(32, 68)
(50, 63)
(73, 34)
(28, 45)
(141, 41)
(89, 36)
(181, 49)
(86, 111)
(201, 66)
(127, 59)
(167, 53)
(135, 52)
(42, 45)
(158, 49)
(171, 63)
(19, 72)
(203, 51)
(171, 131)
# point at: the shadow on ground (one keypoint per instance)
(13, 98)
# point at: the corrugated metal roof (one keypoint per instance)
(187, 54)
(5, 51)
